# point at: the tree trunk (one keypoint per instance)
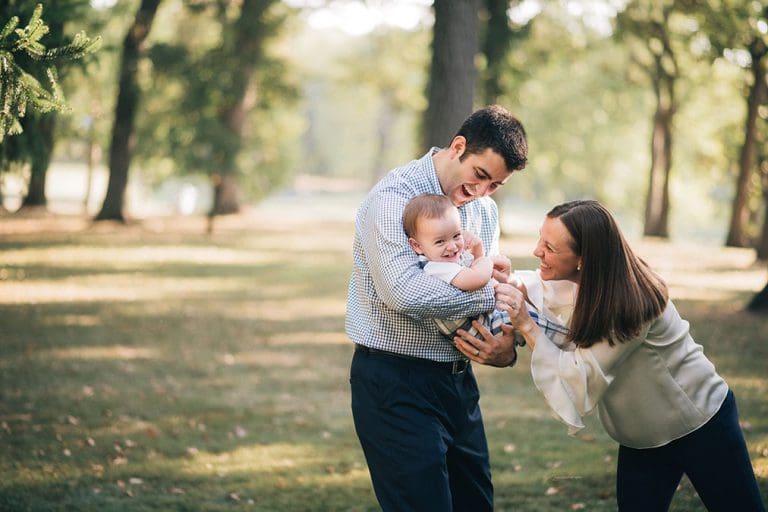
(759, 302)
(762, 244)
(452, 75)
(496, 41)
(758, 94)
(43, 125)
(121, 148)
(245, 48)
(663, 79)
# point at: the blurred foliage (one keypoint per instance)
(326, 99)
(32, 56)
(191, 81)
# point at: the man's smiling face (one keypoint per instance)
(477, 175)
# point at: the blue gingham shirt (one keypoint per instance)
(391, 301)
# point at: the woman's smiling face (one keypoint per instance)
(557, 261)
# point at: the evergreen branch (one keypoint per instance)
(9, 27)
(19, 89)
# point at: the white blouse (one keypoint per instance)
(648, 391)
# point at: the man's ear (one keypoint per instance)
(458, 146)
(415, 245)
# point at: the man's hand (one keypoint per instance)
(491, 350)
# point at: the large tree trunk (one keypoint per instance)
(758, 94)
(245, 49)
(121, 148)
(42, 126)
(452, 76)
(496, 41)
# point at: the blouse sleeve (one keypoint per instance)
(573, 382)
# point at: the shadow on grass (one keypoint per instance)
(216, 376)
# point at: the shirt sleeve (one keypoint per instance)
(443, 270)
(394, 267)
(573, 381)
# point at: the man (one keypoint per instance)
(414, 396)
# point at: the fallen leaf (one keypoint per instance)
(119, 461)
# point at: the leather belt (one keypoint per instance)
(453, 367)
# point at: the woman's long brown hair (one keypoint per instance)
(618, 292)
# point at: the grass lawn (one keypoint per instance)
(152, 367)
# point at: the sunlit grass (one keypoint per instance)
(153, 367)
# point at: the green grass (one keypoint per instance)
(151, 367)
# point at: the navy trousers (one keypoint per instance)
(422, 434)
(714, 457)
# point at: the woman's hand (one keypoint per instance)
(510, 299)
(491, 350)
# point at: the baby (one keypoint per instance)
(457, 257)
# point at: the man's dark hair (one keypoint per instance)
(496, 128)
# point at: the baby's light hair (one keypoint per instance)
(430, 206)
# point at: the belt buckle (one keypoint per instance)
(459, 366)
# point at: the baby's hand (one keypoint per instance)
(501, 268)
(473, 244)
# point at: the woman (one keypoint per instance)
(632, 357)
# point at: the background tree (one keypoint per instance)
(648, 23)
(740, 26)
(27, 63)
(128, 97)
(219, 101)
(498, 78)
(497, 36)
(452, 74)
(243, 51)
(386, 65)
